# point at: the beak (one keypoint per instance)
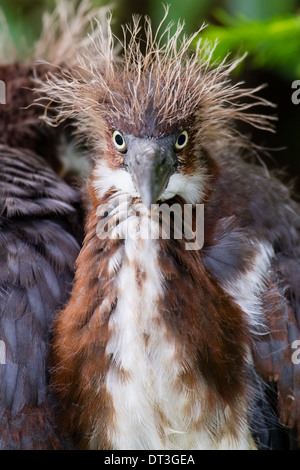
(151, 163)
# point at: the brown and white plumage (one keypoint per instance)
(161, 347)
(40, 236)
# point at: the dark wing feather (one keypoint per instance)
(249, 206)
(37, 254)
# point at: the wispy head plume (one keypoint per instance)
(153, 86)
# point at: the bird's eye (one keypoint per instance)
(119, 141)
(181, 141)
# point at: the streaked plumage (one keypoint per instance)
(158, 347)
(161, 347)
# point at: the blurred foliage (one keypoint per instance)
(269, 30)
(24, 20)
(273, 43)
(260, 9)
(193, 12)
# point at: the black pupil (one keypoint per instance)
(181, 140)
(119, 140)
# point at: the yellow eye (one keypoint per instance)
(181, 141)
(119, 141)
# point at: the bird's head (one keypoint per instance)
(151, 161)
(155, 112)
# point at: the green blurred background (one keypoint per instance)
(268, 29)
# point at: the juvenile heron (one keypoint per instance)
(160, 346)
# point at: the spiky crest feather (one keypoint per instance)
(65, 30)
(159, 80)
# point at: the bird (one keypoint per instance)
(175, 341)
(179, 329)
